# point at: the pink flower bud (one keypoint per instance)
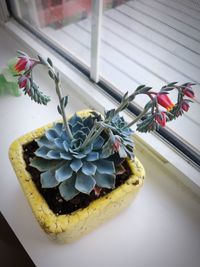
(22, 81)
(188, 92)
(161, 118)
(185, 106)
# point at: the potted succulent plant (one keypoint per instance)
(78, 172)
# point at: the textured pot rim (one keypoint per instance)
(48, 220)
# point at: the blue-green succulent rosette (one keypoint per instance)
(64, 163)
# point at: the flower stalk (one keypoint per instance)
(60, 97)
(138, 117)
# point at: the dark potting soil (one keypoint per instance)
(52, 196)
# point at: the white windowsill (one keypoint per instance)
(91, 95)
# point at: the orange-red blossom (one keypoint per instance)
(23, 64)
(165, 101)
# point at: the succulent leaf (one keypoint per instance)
(80, 135)
(48, 179)
(76, 164)
(74, 119)
(86, 130)
(105, 166)
(65, 155)
(93, 156)
(43, 164)
(67, 189)
(79, 156)
(63, 173)
(88, 122)
(58, 127)
(88, 149)
(122, 152)
(59, 143)
(84, 183)
(51, 135)
(43, 141)
(98, 143)
(78, 126)
(105, 180)
(65, 145)
(52, 154)
(42, 152)
(89, 168)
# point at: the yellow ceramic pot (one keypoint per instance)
(67, 228)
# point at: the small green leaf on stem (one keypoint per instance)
(59, 110)
(50, 62)
(42, 60)
(51, 74)
(64, 101)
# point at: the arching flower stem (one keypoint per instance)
(138, 117)
(59, 93)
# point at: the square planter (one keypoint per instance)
(70, 227)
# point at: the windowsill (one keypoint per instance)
(90, 94)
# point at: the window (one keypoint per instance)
(124, 43)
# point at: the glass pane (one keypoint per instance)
(59, 20)
(154, 42)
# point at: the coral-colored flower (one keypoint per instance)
(22, 81)
(185, 106)
(165, 101)
(188, 91)
(161, 118)
(23, 64)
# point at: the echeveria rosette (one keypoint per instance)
(121, 137)
(121, 126)
(64, 164)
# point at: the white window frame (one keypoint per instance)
(97, 11)
(95, 99)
